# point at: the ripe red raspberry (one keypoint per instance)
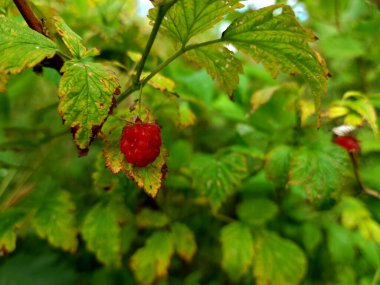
(140, 143)
(351, 144)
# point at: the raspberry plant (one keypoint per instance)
(189, 147)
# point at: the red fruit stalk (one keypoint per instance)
(351, 144)
(140, 143)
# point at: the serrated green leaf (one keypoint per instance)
(186, 18)
(149, 178)
(86, 92)
(151, 219)
(221, 64)
(54, 220)
(102, 232)
(237, 249)
(216, 178)
(320, 168)
(272, 35)
(277, 165)
(256, 212)
(278, 261)
(71, 40)
(8, 221)
(152, 261)
(184, 241)
(21, 47)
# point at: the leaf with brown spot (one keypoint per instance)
(86, 92)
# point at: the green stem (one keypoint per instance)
(180, 52)
(160, 16)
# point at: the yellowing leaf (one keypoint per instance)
(160, 82)
(72, 41)
(278, 261)
(337, 111)
(184, 241)
(186, 116)
(360, 104)
(221, 64)
(273, 36)
(355, 215)
(262, 96)
(87, 93)
(186, 18)
(150, 177)
(237, 249)
(54, 220)
(152, 261)
(21, 47)
(307, 109)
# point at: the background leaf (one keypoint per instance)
(55, 220)
(320, 168)
(278, 261)
(151, 219)
(216, 178)
(184, 241)
(21, 47)
(237, 248)
(256, 212)
(152, 260)
(106, 244)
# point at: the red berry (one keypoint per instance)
(140, 143)
(347, 142)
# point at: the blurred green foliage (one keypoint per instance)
(254, 194)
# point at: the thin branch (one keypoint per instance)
(30, 18)
(177, 54)
(363, 188)
(34, 23)
(157, 23)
